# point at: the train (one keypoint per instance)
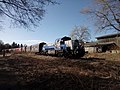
(63, 47)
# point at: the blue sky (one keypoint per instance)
(58, 21)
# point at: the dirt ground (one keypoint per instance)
(37, 72)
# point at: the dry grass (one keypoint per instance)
(106, 56)
(38, 72)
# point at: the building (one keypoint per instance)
(90, 47)
(106, 43)
(110, 43)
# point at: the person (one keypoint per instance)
(30, 48)
(25, 46)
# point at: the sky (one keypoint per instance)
(59, 21)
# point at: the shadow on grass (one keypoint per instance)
(64, 81)
(4, 57)
(92, 59)
(37, 80)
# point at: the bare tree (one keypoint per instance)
(80, 33)
(106, 14)
(24, 12)
(7, 46)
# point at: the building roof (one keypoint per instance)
(93, 44)
(105, 43)
(108, 36)
(90, 44)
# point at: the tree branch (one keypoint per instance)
(114, 15)
(105, 16)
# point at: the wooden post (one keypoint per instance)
(3, 52)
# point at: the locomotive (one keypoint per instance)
(65, 47)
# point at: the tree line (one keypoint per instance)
(9, 46)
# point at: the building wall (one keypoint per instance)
(90, 49)
(115, 51)
(116, 40)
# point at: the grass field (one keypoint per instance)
(37, 72)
